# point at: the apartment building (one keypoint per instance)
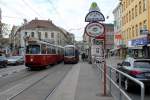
(135, 26)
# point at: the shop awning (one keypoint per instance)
(138, 47)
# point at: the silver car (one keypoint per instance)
(15, 60)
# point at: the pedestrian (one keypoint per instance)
(83, 56)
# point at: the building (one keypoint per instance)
(119, 43)
(136, 26)
(43, 30)
(0, 23)
(92, 45)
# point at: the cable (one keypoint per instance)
(54, 8)
(31, 8)
(13, 17)
(16, 10)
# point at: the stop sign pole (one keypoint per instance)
(96, 30)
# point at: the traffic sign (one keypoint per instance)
(94, 29)
(94, 16)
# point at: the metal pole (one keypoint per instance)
(110, 80)
(104, 66)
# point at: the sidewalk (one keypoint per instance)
(81, 83)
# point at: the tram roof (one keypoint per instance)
(43, 42)
(69, 46)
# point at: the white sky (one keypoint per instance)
(68, 14)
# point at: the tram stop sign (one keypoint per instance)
(94, 29)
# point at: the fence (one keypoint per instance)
(114, 83)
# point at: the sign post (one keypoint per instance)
(96, 30)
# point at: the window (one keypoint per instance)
(126, 63)
(132, 13)
(136, 30)
(145, 23)
(39, 35)
(52, 35)
(129, 15)
(69, 51)
(26, 33)
(97, 50)
(140, 26)
(127, 18)
(140, 7)
(133, 31)
(44, 49)
(142, 64)
(46, 35)
(144, 5)
(130, 35)
(136, 11)
(33, 49)
(32, 34)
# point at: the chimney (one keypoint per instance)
(36, 18)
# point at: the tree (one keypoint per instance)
(5, 30)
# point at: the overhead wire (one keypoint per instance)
(31, 8)
(12, 9)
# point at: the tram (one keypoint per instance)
(71, 54)
(40, 54)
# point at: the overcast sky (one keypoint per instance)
(68, 14)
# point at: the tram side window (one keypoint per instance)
(49, 51)
(43, 48)
(33, 49)
(53, 50)
(62, 51)
(59, 51)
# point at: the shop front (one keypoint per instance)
(139, 48)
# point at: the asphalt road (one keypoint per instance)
(30, 85)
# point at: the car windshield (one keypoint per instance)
(142, 64)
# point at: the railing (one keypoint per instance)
(111, 76)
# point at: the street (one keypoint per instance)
(20, 83)
(34, 85)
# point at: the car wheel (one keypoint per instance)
(126, 85)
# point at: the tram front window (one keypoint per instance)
(69, 52)
(33, 49)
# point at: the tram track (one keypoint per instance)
(55, 87)
(51, 89)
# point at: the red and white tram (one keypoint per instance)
(71, 54)
(40, 54)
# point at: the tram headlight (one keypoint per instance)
(31, 59)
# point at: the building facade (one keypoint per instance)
(136, 26)
(43, 30)
(0, 23)
(119, 42)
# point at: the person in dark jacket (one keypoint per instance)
(83, 56)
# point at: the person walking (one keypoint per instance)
(83, 56)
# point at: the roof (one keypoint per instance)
(46, 24)
(69, 46)
(40, 24)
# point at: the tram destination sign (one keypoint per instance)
(94, 29)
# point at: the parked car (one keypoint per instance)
(15, 60)
(3, 61)
(137, 68)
